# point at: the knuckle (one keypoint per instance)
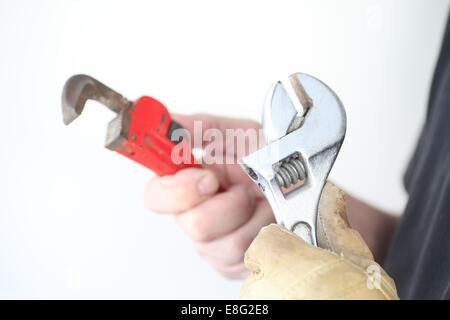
(156, 196)
(240, 198)
(237, 248)
(228, 275)
(150, 202)
(201, 251)
(199, 227)
(179, 198)
(149, 187)
(232, 272)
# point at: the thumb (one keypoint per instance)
(333, 230)
(335, 234)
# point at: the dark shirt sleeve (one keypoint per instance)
(419, 255)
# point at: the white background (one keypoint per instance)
(72, 220)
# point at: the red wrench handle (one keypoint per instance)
(148, 140)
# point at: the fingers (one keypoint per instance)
(284, 266)
(233, 272)
(213, 122)
(275, 246)
(218, 215)
(223, 224)
(231, 139)
(181, 191)
(223, 132)
(230, 249)
(271, 240)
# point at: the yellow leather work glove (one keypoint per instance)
(284, 266)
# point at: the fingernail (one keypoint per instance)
(208, 185)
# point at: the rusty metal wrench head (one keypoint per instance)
(80, 88)
(301, 148)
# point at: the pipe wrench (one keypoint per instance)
(141, 131)
(292, 169)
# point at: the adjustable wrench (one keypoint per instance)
(141, 131)
(301, 149)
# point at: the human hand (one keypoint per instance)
(221, 224)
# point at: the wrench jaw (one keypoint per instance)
(278, 113)
(80, 88)
(316, 142)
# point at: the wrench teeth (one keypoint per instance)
(278, 113)
(304, 99)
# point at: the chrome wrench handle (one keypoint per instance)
(315, 137)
